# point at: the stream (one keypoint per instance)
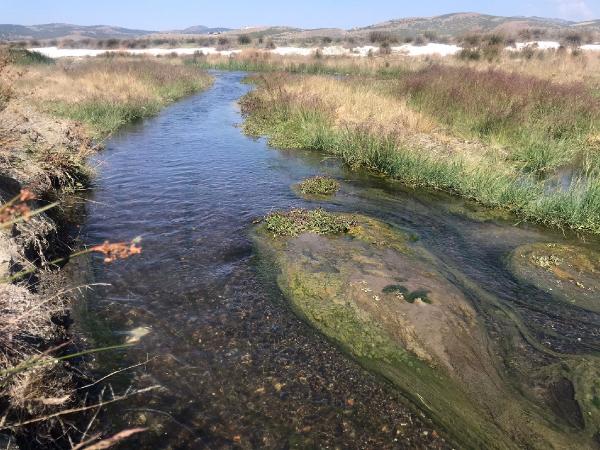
(236, 367)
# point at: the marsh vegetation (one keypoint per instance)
(504, 139)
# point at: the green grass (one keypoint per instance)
(544, 125)
(319, 185)
(298, 221)
(109, 110)
(22, 57)
(489, 183)
(105, 117)
(311, 67)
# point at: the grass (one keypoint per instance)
(249, 61)
(106, 94)
(22, 57)
(545, 125)
(298, 221)
(381, 126)
(319, 185)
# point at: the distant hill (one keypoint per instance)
(459, 24)
(447, 26)
(63, 30)
(201, 29)
(9, 32)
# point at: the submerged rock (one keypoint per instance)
(388, 302)
(571, 274)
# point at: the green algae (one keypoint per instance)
(570, 274)
(347, 286)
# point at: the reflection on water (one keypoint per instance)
(236, 366)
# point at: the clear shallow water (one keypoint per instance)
(237, 368)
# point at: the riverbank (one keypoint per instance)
(506, 140)
(52, 117)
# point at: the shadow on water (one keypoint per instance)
(236, 367)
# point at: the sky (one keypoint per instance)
(177, 14)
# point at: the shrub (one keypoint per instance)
(244, 39)
(385, 49)
(24, 57)
(469, 54)
(572, 40)
(378, 37)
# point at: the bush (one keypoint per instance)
(573, 40)
(385, 49)
(469, 54)
(244, 39)
(27, 58)
(378, 37)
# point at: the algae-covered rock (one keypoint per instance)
(569, 273)
(384, 299)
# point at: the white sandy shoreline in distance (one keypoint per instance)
(406, 49)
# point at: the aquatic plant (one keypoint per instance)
(319, 185)
(298, 221)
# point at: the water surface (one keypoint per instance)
(236, 367)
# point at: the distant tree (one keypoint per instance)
(244, 39)
(573, 40)
(385, 48)
(112, 43)
(377, 37)
(326, 40)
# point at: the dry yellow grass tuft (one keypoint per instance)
(106, 93)
(358, 104)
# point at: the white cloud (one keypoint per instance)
(574, 9)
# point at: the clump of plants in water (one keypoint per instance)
(319, 185)
(298, 221)
(405, 294)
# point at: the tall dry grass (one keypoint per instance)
(544, 125)
(378, 125)
(107, 93)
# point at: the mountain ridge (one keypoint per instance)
(452, 25)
